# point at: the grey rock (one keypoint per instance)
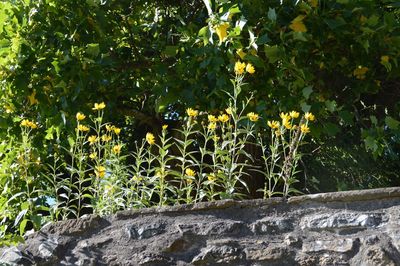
(342, 220)
(343, 228)
(334, 245)
(272, 226)
(11, 256)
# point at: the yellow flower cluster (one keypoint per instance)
(82, 128)
(240, 67)
(287, 119)
(27, 123)
(99, 106)
(106, 138)
(116, 130)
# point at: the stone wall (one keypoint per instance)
(343, 228)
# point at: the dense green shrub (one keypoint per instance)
(150, 60)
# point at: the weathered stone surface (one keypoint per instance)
(333, 245)
(342, 220)
(344, 228)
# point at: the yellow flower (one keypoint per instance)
(309, 116)
(92, 139)
(106, 138)
(32, 99)
(150, 138)
(189, 181)
(240, 53)
(117, 149)
(273, 124)
(83, 128)
(99, 106)
(239, 67)
(212, 119)
(384, 59)
(313, 3)
(100, 171)
(164, 127)
(304, 128)
(284, 116)
(297, 24)
(93, 155)
(287, 124)
(294, 114)
(229, 110)
(117, 130)
(80, 116)
(190, 172)
(360, 72)
(25, 123)
(250, 69)
(223, 118)
(221, 31)
(253, 116)
(211, 177)
(109, 127)
(212, 126)
(137, 178)
(32, 125)
(191, 112)
(216, 138)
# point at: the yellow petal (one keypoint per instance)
(297, 24)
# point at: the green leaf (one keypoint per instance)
(272, 14)
(22, 226)
(305, 107)
(392, 123)
(330, 105)
(300, 36)
(234, 9)
(171, 50)
(370, 143)
(373, 119)
(272, 53)
(335, 23)
(93, 49)
(307, 91)
(347, 117)
(331, 129)
(263, 39)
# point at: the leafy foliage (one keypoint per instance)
(150, 60)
